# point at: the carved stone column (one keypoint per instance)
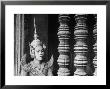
(95, 46)
(64, 46)
(18, 42)
(80, 47)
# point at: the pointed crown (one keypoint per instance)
(36, 42)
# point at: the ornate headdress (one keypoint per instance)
(36, 42)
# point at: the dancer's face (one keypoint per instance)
(39, 53)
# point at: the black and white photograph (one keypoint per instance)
(61, 44)
(55, 44)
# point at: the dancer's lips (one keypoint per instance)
(41, 55)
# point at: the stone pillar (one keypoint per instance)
(80, 47)
(64, 45)
(95, 46)
(18, 42)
